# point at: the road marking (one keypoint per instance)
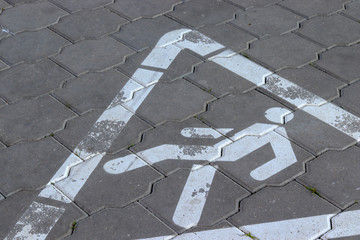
(345, 224)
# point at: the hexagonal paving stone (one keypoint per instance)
(32, 119)
(311, 8)
(289, 212)
(334, 174)
(16, 2)
(350, 98)
(342, 61)
(135, 9)
(4, 5)
(287, 50)
(30, 46)
(332, 30)
(204, 12)
(30, 165)
(31, 80)
(353, 10)
(22, 17)
(89, 24)
(81, 4)
(132, 222)
(272, 20)
(254, 3)
(85, 56)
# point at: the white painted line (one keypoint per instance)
(162, 57)
(345, 224)
(192, 200)
(257, 129)
(126, 93)
(230, 233)
(124, 164)
(146, 77)
(139, 97)
(172, 37)
(193, 132)
(50, 191)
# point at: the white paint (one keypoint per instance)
(172, 37)
(126, 93)
(123, 164)
(50, 191)
(161, 57)
(64, 170)
(243, 67)
(193, 197)
(277, 114)
(257, 129)
(230, 233)
(299, 228)
(344, 224)
(36, 222)
(139, 97)
(193, 132)
(168, 237)
(146, 77)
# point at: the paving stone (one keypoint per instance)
(31, 16)
(342, 61)
(78, 127)
(350, 98)
(89, 24)
(30, 165)
(4, 5)
(1, 197)
(181, 66)
(330, 31)
(265, 213)
(81, 4)
(272, 20)
(183, 100)
(254, 3)
(30, 46)
(31, 80)
(92, 90)
(3, 65)
(334, 175)
(132, 222)
(287, 50)
(16, 2)
(13, 207)
(314, 135)
(32, 119)
(353, 10)
(85, 55)
(146, 33)
(204, 12)
(140, 9)
(221, 201)
(310, 8)
(217, 80)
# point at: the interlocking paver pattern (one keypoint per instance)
(350, 97)
(352, 9)
(81, 4)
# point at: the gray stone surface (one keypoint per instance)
(176, 100)
(74, 6)
(132, 222)
(330, 31)
(353, 10)
(287, 50)
(350, 98)
(146, 33)
(92, 90)
(84, 56)
(3, 65)
(204, 12)
(271, 20)
(281, 203)
(342, 61)
(4, 5)
(30, 165)
(334, 175)
(89, 24)
(253, 3)
(32, 119)
(16, 2)
(1, 197)
(31, 16)
(31, 80)
(310, 8)
(221, 202)
(217, 80)
(30, 46)
(135, 9)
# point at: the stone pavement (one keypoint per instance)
(173, 119)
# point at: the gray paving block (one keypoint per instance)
(132, 222)
(315, 135)
(74, 6)
(30, 46)
(183, 100)
(31, 16)
(353, 10)
(334, 175)
(271, 20)
(16, 2)
(31, 80)
(287, 50)
(342, 61)
(204, 12)
(291, 202)
(140, 9)
(221, 201)
(30, 165)
(4, 5)
(1, 197)
(31, 211)
(181, 66)
(32, 119)
(92, 90)
(254, 3)
(350, 98)
(146, 33)
(92, 55)
(3, 65)
(89, 24)
(310, 8)
(217, 80)
(332, 30)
